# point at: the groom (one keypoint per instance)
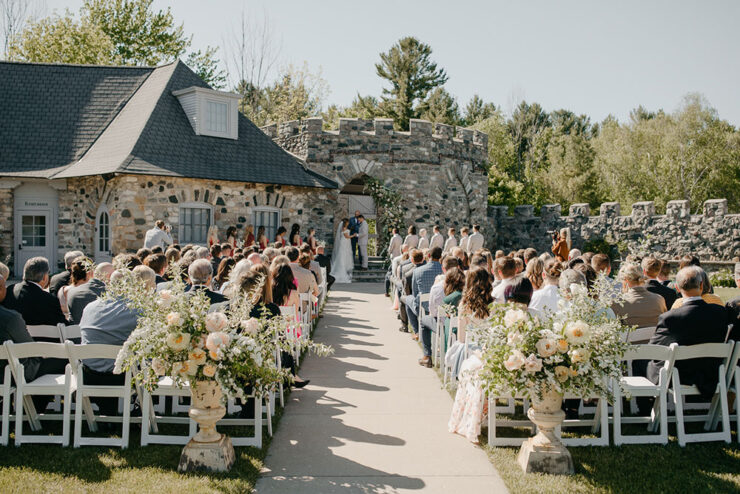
(354, 228)
(362, 240)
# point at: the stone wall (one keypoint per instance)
(713, 235)
(439, 170)
(6, 222)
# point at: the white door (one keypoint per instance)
(102, 236)
(33, 235)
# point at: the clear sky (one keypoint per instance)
(594, 57)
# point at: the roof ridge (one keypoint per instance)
(91, 66)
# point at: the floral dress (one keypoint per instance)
(470, 401)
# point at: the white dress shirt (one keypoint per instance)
(450, 244)
(498, 290)
(437, 241)
(423, 243)
(545, 301)
(394, 246)
(464, 243)
(436, 294)
(157, 237)
(475, 242)
(412, 241)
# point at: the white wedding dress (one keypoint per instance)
(342, 262)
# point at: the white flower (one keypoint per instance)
(579, 355)
(217, 340)
(532, 364)
(209, 370)
(562, 346)
(166, 298)
(159, 367)
(577, 332)
(546, 347)
(178, 341)
(251, 326)
(174, 319)
(514, 338)
(562, 373)
(176, 368)
(197, 356)
(514, 316)
(192, 368)
(216, 321)
(578, 290)
(515, 361)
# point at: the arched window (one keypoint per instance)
(103, 239)
(195, 219)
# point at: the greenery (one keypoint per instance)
(723, 278)
(726, 293)
(389, 205)
(600, 245)
(113, 32)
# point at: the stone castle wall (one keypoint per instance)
(712, 235)
(439, 170)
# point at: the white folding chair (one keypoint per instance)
(438, 337)
(599, 422)
(294, 328)
(261, 412)
(77, 353)
(6, 391)
(150, 420)
(678, 392)
(451, 338)
(495, 438)
(46, 332)
(70, 332)
(423, 298)
(640, 335)
(306, 309)
(49, 384)
(635, 386)
(732, 378)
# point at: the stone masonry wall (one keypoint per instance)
(439, 170)
(6, 223)
(713, 235)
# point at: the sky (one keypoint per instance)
(592, 57)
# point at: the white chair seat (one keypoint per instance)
(637, 384)
(51, 381)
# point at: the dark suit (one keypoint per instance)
(733, 314)
(693, 323)
(214, 297)
(407, 284)
(159, 279)
(35, 305)
(325, 262)
(354, 227)
(668, 294)
(79, 297)
(58, 281)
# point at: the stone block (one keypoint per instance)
(678, 209)
(349, 126)
(497, 211)
(715, 207)
(580, 210)
(215, 456)
(480, 139)
(523, 211)
(610, 209)
(643, 209)
(420, 127)
(313, 125)
(289, 129)
(465, 135)
(550, 211)
(383, 126)
(444, 130)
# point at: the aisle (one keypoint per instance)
(372, 420)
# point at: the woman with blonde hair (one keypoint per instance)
(534, 272)
(262, 239)
(212, 237)
(248, 236)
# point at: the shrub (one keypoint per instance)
(723, 277)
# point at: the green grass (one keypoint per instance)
(726, 294)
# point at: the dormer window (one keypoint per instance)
(210, 112)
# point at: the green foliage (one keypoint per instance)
(477, 111)
(206, 65)
(389, 204)
(412, 76)
(723, 277)
(366, 107)
(440, 107)
(600, 245)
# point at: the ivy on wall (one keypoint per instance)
(389, 205)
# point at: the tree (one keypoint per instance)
(13, 17)
(440, 107)
(476, 111)
(366, 107)
(411, 74)
(140, 35)
(527, 125)
(58, 39)
(206, 65)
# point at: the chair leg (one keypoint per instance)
(663, 398)
(89, 413)
(269, 415)
(78, 418)
(678, 405)
(19, 398)
(491, 420)
(258, 421)
(617, 411)
(725, 408)
(145, 419)
(126, 422)
(66, 416)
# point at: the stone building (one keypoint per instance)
(91, 156)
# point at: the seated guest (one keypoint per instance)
(81, 273)
(573, 254)
(534, 271)
(519, 292)
(158, 263)
(733, 310)
(313, 266)
(284, 287)
(157, 250)
(324, 261)
(230, 287)
(665, 273)
(172, 256)
(62, 279)
(227, 250)
(304, 277)
(421, 282)
(506, 270)
(109, 322)
(639, 307)
(406, 270)
(603, 265)
(215, 252)
(477, 297)
(13, 328)
(143, 253)
(222, 275)
(588, 272)
(651, 268)
(545, 300)
(202, 253)
(693, 323)
(201, 275)
(130, 261)
(429, 321)
(706, 293)
(30, 298)
(81, 296)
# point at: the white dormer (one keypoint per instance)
(211, 113)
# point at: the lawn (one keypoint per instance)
(726, 294)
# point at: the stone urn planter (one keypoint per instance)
(544, 453)
(208, 449)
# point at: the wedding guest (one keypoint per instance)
(406, 272)
(229, 287)
(262, 239)
(421, 283)
(313, 265)
(437, 239)
(129, 261)
(222, 275)
(270, 253)
(506, 270)
(62, 279)
(529, 254)
(451, 242)
(423, 239)
(680, 326)
(460, 254)
(203, 252)
(81, 296)
(109, 322)
(534, 272)
(428, 323)
(570, 277)
(706, 293)
(476, 298)
(588, 272)
(519, 292)
(212, 237)
(201, 274)
(561, 245)
(394, 244)
(412, 239)
(603, 265)
(4, 272)
(324, 262)
(305, 279)
(158, 263)
(143, 253)
(249, 239)
(651, 269)
(475, 241)
(159, 236)
(295, 235)
(545, 300)
(664, 276)
(311, 240)
(284, 286)
(81, 272)
(31, 300)
(688, 260)
(280, 236)
(464, 239)
(519, 265)
(231, 234)
(639, 307)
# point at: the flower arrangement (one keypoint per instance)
(576, 350)
(182, 337)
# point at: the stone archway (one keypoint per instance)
(353, 197)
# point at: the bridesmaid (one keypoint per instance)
(213, 236)
(262, 238)
(295, 235)
(231, 237)
(280, 236)
(248, 236)
(311, 240)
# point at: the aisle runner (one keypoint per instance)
(372, 419)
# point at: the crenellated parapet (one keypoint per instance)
(713, 234)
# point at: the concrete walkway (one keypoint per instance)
(372, 420)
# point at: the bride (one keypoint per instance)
(342, 262)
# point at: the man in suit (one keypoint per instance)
(437, 239)
(693, 323)
(79, 297)
(475, 241)
(158, 263)
(62, 279)
(639, 307)
(394, 245)
(30, 298)
(304, 277)
(405, 272)
(421, 283)
(733, 310)
(325, 262)
(201, 274)
(354, 228)
(651, 267)
(362, 237)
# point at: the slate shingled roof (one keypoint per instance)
(61, 121)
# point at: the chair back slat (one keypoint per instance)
(37, 349)
(90, 351)
(44, 331)
(641, 334)
(704, 350)
(4, 353)
(71, 332)
(424, 297)
(648, 352)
